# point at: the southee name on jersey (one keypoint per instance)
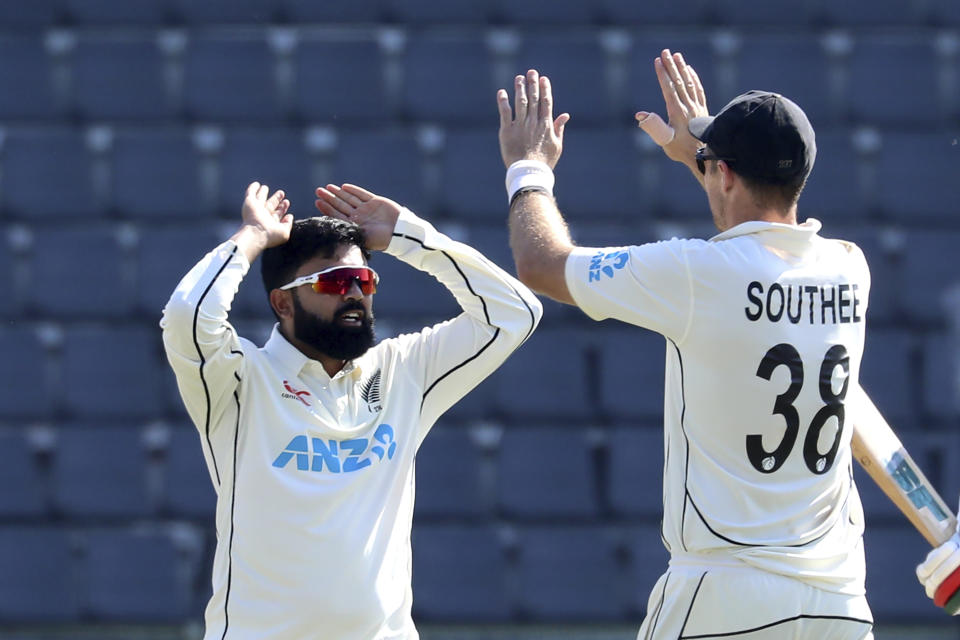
(810, 303)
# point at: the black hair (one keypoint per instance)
(780, 193)
(309, 238)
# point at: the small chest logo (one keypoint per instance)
(370, 392)
(293, 394)
(606, 264)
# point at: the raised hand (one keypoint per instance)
(376, 215)
(685, 99)
(530, 131)
(267, 215)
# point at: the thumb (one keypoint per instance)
(560, 123)
(654, 126)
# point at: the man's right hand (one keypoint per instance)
(685, 99)
(266, 222)
(529, 132)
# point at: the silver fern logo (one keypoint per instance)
(370, 392)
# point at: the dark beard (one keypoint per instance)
(330, 338)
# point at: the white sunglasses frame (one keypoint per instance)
(314, 277)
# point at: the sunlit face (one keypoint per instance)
(340, 326)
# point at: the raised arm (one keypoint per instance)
(499, 313)
(201, 345)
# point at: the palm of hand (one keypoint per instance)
(377, 218)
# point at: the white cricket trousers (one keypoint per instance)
(691, 602)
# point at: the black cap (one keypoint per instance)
(766, 136)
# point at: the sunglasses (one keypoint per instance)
(339, 280)
(702, 158)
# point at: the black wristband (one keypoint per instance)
(523, 190)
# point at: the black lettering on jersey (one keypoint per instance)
(775, 317)
(752, 297)
(838, 303)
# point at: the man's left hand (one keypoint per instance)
(940, 575)
(376, 215)
(529, 132)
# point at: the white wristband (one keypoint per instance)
(526, 174)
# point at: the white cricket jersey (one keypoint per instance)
(765, 327)
(315, 475)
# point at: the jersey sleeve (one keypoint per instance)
(201, 346)
(499, 314)
(646, 285)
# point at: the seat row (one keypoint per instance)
(161, 174)
(86, 473)
(485, 573)
(376, 75)
(784, 13)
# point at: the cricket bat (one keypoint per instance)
(879, 451)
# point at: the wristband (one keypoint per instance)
(522, 190)
(528, 174)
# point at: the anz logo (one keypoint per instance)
(339, 456)
(606, 264)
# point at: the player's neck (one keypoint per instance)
(746, 209)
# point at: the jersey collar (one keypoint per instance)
(295, 360)
(804, 231)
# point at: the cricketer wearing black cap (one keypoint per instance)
(767, 140)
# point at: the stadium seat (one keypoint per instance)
(546, 472)
(9, 302)
(24, 389)
(631, 373)
(893, 553)
(912, 192)
(257, 12)
(646, 14)
(21, 488)
(275, 157)
(34, 187)
(165, 256)
(796, 66)
(325, 61)
(471, 170)
(635, 475)
(576, 65)
(927, 272)
(31, 16)
(946, 12)
(156, 174)
(449, 482)
(450, 12)
(887, 376)
(25, 64)
(443, 555)
(607, 157)
(889, 61)
(37, 583)
(100, 472)
(570, 574)
(231, 78)
(789, 14)
(449, 78)
(898, 13)
(334, 11)
(941, 376)
(112, 371)
(547, 378)
(188, 489)
(112, 13)
(387, 162)
(121, 78)
(648, 561)
(834, 193)
(78, 273)
(133, 577)
(540, 12)
(408, 292)
(677, 195)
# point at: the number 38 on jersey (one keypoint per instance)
(786, 355)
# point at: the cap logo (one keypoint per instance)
(785, 164)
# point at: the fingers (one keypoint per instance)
(672, 66)
(701, 94)
(559, 124)
(262, 192)
(330, 202)
(546, 99)
(252, 189)
(520, 98)
(359, 192)
(273, 202)
(654, 126)
(503, 106)
(670, 97)
(533, 94)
